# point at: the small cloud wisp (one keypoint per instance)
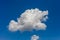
(34, 37)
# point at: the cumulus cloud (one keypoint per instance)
(34, 37)
(31, 19)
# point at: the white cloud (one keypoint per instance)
(29, 20)
(34, 37)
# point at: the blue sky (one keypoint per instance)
(11, 9)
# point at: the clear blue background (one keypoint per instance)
(11, 9)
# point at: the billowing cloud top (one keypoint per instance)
(34, 37)
(29, 20)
